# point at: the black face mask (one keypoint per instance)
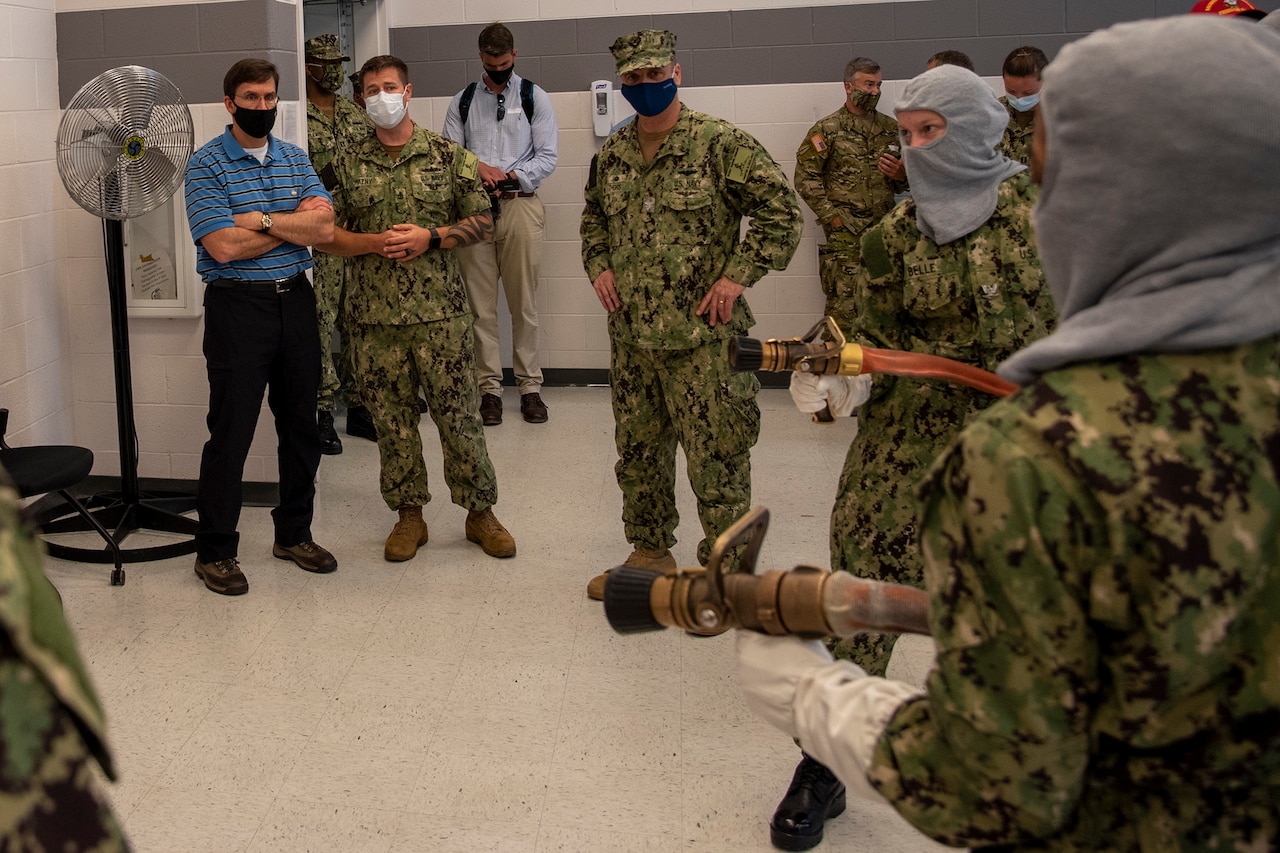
(500, 77)
(255, 123)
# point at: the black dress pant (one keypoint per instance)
(258, 335)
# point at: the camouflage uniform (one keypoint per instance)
(977, 300)
(837, 176)
(1103, 557)
(50, 721)
(1016, 144)
(413, 317)
(669, 230)
(325, 136)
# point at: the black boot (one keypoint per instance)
(360, 423)
(815, 795)
(330, 444)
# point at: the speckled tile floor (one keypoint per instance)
(454, 701)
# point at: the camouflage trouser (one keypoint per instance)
(690, 397)
(335, 375)
(874, 531)
(48, 794)
(838, 262)
(387, 360)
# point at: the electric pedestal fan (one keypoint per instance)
(123, 145)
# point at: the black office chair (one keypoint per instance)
(48, 469)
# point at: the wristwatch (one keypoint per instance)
(434, 243)
(266, 222)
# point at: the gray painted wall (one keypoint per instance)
(801, 45)
(193, 45)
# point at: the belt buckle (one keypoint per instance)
(283, 285)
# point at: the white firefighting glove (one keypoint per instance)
(832, 708)
(842, 394)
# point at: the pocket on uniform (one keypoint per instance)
(932, 296)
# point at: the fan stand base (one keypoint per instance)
(122, 516)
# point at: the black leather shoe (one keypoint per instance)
(491, 409)
(815, 795)
(533, 409)
(330, 444)
(360, 423)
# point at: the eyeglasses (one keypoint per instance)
(502, 107)
(252, 101)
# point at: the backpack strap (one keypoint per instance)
(464, 103)
(526, 99)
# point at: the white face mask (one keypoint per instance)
(386, 109)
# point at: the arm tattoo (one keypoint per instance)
(473, 229)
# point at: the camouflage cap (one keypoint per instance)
(324, 47)
(644, 49)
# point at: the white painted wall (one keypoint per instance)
(55, 339)
(35, 332)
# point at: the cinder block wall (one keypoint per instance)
(771, 69)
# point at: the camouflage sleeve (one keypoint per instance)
(997, 750)
(757, 188)
(811, 161)
(341, 180)
(594, 228)
(471, 196)
(878, 287)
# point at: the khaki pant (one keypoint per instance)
(514, 256)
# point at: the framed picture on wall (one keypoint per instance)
(160, 263)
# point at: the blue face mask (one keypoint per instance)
(649, 99)
(1023, 104)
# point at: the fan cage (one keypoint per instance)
(124, 142)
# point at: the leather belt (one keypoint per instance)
(509, 196)
(278, 285)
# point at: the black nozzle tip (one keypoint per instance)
(626, 599)
(745, 354)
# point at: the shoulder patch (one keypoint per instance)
(875, 257)
(819, 144)
(740, 165)
(470, 168)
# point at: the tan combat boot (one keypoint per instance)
(409, 534)
(484, 529)
(641, 558)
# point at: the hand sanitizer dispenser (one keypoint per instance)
(602, 107)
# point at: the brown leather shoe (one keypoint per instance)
(223, 576)
(309, 556)
(409, 534)
(533, 409)
(491, 409)
(640, 558)
(484, 529)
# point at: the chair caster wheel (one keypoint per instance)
(117, 577)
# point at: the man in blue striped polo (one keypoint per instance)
(254, 204)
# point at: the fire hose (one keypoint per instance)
(805, 601)
(835, 357)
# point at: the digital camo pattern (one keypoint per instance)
(661, 397)
(977, 300)
(670, 229)
(325, 136)
(1102, 553)
(388, 360)
(433, 182)
(837, 176)
(51, 725)
(1016, 143)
